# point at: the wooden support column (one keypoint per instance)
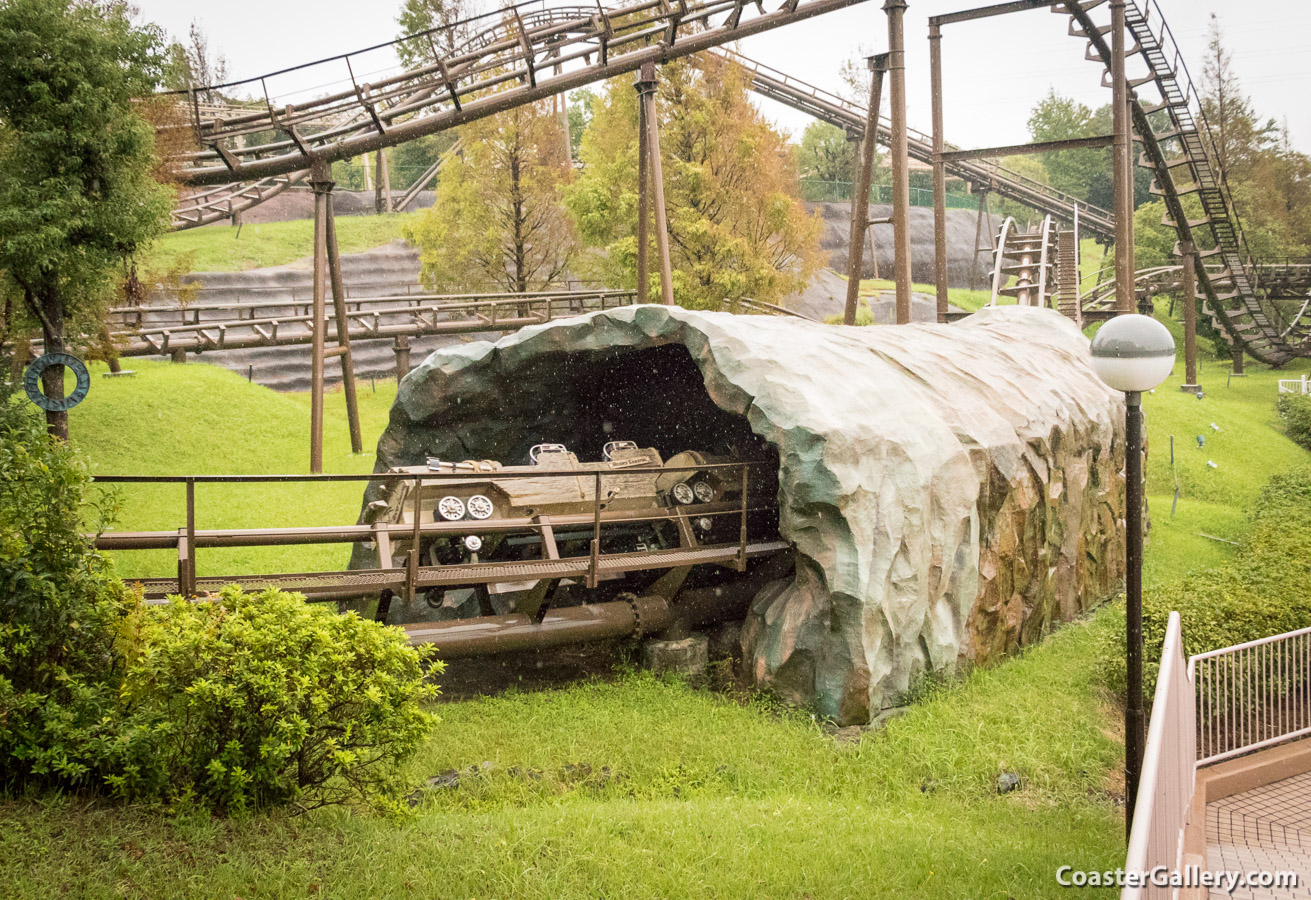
(321, 185)
(401, 347)
(896, 11)
(1238, 361)
(1189, 290)
(343, 332)
(382, 202)
(643, 198)
(939, 173)
(1121, 165)
(646, 88)
(978, 235)
(860, 199)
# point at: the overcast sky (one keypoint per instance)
(994, 70)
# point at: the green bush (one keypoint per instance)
(239, 702)
(244, 701)
(59, 610)
(863, 316)
(1266, 590)
(1295, 410)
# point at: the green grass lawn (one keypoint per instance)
(961, 297)
(635, 785)
(203, 419)
(648, 788)
(223, 248)
(1248, 447)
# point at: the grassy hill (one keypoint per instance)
(222, 248)
(205, 420)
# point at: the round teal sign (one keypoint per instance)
(32, 381)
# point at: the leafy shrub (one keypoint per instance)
(240, 701)
(59, 610)
(251, 700)
(1295, 410)
(1266, 590)
(863, 316)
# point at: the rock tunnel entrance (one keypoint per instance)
(941, 490)
(655, 397)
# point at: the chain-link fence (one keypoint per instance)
(817, 190)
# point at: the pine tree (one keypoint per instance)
(736, 225)
(1237, 136)
(499, 215)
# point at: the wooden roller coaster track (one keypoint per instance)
(345, 119)
(533, 53)
(1177, 146)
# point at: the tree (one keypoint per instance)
(825, 153)
(736, 225)
(1085, 174)
(580, 116)
(76, 160)
(1237, 137)
(499, 215)
(442, 23)
(194, 64)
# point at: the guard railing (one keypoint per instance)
(1165, 790)
(410, 577)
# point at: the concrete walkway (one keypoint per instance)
(1264, 829)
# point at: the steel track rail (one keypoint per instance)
(410, 320)
(824, 105)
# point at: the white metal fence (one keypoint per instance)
(1252, 695)
(1165, 789)
(1295, 385)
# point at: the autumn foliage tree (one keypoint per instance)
(499, 216)
(736, 225)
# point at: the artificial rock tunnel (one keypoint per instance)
(951, 491)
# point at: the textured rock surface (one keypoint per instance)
(952, 491)
(965, 267)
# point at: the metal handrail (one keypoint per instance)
(1252, 695)
(1165, 791)
(187, 539)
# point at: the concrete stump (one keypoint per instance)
(690, 656)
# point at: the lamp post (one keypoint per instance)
(1133, 353)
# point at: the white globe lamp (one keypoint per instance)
(1133, 353)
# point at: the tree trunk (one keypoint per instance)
(52, 380)
(516, 200)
